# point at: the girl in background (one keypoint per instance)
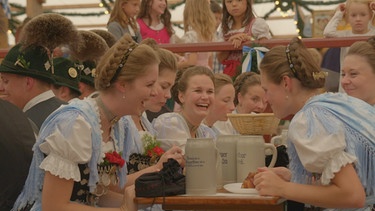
(122, 19)
(154, 20)
(359, 14)
(238, 26)
(199, 26)
(249, 95)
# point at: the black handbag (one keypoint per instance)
(169, 181)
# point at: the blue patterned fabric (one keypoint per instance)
(358, 121)
(64, 117)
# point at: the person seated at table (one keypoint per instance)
(142, 159)
(358, 72)
(217, 118)
(194, 91)
(249, 94)
(65, 87)
(81, 150)
(331, 138)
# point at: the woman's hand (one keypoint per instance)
(174, 152)
(128, 202)
(271, 181)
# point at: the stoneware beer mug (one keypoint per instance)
(251, 155)
(227, 144)
(201, 157)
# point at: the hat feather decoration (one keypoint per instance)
(49, 30)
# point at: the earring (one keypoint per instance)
(123, 96)
(286, 97)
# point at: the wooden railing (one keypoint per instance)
(227, 46)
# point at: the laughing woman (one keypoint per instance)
(358, 71)
(81, 147)
(194, 91)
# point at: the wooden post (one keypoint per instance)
(34, 8)
(3, 29)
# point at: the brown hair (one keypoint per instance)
(221, 80)
(183, 76)
(165, 17)
(124, 61)
(243, 82)
(249, 16)
(366, 50)
(168, 60)
(215, 7)
(300, 64)
(118, 15)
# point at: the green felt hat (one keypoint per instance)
(32, 61)
(66, 73)
(87, 70)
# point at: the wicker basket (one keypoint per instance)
(254, 124)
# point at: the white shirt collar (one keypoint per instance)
(37, 99)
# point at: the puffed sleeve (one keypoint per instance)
(67, 147)
(319, 139)
(330, 29)
(260, 29)
(170, 126)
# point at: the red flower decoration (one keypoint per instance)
(114, 158)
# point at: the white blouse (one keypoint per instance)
(319, 151)
(63, 157)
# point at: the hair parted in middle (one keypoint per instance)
(183, 77)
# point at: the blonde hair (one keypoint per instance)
(199, 17)
(118, 15)
(293, 61)
(347, 9)
(124, 61)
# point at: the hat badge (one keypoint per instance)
(72, 72)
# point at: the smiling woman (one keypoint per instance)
(194, 91)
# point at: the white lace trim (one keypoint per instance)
(334, 165)
(62, 167)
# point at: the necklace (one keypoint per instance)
(108, 114)
(192, 128)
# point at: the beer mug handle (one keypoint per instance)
(274, 154)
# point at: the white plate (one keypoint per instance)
(236, 188)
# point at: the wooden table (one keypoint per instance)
(220, 201)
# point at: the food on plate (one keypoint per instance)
(248, 182)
